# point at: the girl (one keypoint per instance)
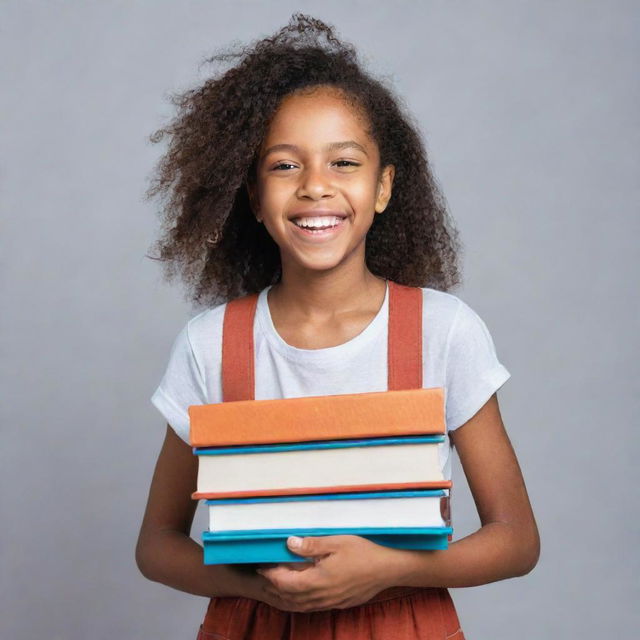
(296, 176)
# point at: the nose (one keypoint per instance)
(315, 183)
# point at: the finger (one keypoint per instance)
(275, 573)
(296, 585)
(311, 546)
(294, 580)
(283, 601)
(306, 603)
(300, 592)
(267, 570)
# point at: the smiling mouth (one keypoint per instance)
(318, 227)
(317, 221)
(315, 224)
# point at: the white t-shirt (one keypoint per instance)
(458, 355)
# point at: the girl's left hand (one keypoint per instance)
(346, 571)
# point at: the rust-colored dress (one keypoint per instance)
(399, 613)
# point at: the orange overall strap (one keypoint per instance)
(404, 343)
(404, 349)
(238, 360)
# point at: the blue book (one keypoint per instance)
(240, 547)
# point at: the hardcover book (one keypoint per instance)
(308, 418)
(271, 545)
(382, 509)
(320, 467)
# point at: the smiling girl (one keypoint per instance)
(317, 187)
(295, 176)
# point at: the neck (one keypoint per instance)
(322, 293)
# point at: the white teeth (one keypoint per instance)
(320, 222)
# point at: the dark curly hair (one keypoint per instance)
(210, 236)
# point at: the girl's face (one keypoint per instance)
(318, 181)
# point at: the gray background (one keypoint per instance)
(530, 111)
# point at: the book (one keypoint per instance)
(229, 547)
(421, 508)
(310, 418)
(320, 467)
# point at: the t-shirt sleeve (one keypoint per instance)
(181, 386)
(473, 371)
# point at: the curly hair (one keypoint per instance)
(210, 236)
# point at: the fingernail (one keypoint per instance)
(294, 542)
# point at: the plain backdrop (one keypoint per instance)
(530, 112)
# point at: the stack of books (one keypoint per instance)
(365, 464)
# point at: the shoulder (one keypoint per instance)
(456, 335)
(440, 311)
(447, 312)
(201, 324)
(203, 334)
(440, 303)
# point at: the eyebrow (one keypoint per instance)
(332, 146)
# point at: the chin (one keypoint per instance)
(319, 268)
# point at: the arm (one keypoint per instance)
(507, 544)
(165, 553)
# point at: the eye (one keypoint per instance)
(347, 163)
(282, 164)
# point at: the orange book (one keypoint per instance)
(356, 415)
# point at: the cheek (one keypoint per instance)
(274, 190)
(364, 192)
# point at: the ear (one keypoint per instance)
(385, 185)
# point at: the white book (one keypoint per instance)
(314, 467)
(420, 508)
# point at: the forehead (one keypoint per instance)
(317, 117)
